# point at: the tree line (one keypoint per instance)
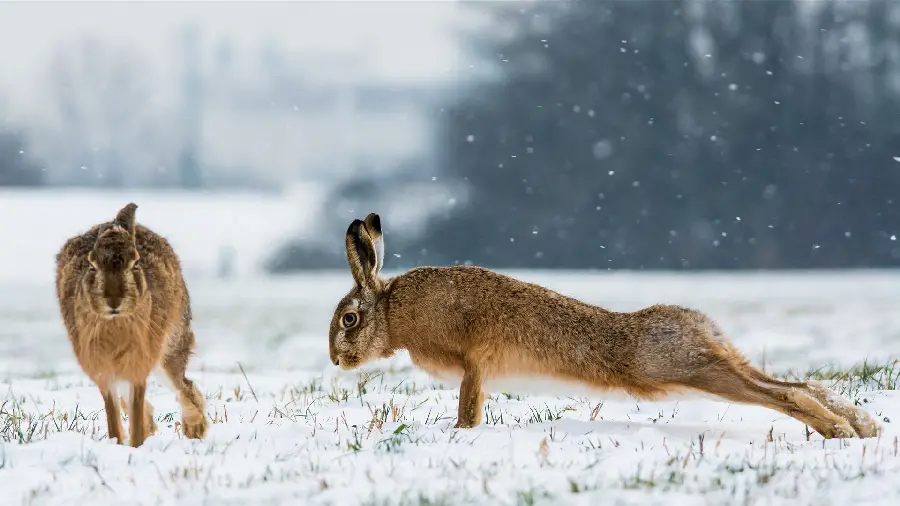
(671, 135)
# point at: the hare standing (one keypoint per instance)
(127, 311)
(478, 326)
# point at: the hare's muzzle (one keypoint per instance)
(333, 355)
(113, 306)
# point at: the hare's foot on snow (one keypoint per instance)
(471, 400)
(193, 416)
(113, 417)
(858, 417)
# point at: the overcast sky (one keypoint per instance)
(402, 39)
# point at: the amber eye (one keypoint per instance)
(349, 320)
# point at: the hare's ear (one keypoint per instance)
(373, 226)
(361, 255)
(125, 217)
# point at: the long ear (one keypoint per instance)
(373, 226)
(361, 255)
(125, 217)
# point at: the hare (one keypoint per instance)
(127, 312)
(479, 326)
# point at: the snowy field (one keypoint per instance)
(296, 430)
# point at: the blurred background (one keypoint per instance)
(635, 135)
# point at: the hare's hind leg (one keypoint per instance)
(193, 405)
(730, 383)
(859, 418)
(125, 399)
(113, 417)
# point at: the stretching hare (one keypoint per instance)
(478, 327)
(127, 311)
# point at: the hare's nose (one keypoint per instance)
(114, 303)
(337, 361)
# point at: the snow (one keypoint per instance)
(297, 430)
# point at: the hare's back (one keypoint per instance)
(456, 289)
(78, 246)
(162, 269)
(463, 303)
(155, 250)
(479, 290)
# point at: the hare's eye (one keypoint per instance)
(349, 320)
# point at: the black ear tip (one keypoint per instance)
(374, 220)
(354, 226)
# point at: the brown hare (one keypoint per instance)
(127, 312)
(478, 326)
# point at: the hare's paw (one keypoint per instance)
(865, 424)
(841, 430)
(149, 420)
(466, 424)
(194, 425)
(150, 425)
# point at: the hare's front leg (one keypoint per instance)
(471, 398)
(138, 416)
(113, 419)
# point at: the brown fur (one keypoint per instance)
(481, 325)
(126, 267)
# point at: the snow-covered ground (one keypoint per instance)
(297, 431)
